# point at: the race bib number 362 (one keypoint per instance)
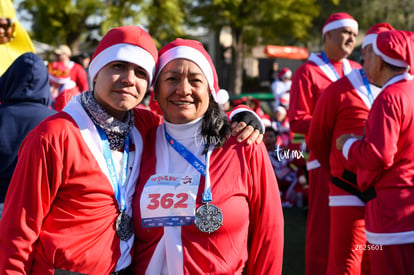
(169, 200)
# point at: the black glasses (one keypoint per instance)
(6, 25)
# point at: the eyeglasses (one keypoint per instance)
(6, 25)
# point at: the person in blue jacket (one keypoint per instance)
(24, 102)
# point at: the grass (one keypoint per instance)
(294, 249)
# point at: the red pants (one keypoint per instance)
(347, 243)
(392, 259)
(317, 227)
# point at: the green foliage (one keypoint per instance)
(265, 21)
(61, 21)
(166, 20)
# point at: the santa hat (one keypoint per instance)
(373, 32)
(396, 48)
(127, 43)
(339, 20)
(285, 73)
(60, 73)
(195, 52)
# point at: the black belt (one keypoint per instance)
(349, 184)
(125, 271)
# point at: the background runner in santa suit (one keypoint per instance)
(70, 197)
(385, 155)
(308, 81)
(343, 108)
(237, 179)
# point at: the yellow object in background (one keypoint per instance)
(20, 41)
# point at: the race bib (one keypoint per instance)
(169, 200)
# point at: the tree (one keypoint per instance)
(255, 22)
(75, 22)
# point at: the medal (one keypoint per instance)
(123, 223)
(123, 226)
(208, 218)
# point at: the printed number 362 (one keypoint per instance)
(167, 200)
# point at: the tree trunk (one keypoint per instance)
(238, 56)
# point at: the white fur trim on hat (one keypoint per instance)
(369, 39)
(392, 61)
(123, 52)
(59, 80)
(198, 58)
(340, 24)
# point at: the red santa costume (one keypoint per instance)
(342, 108)
(61, 208)
(281, 86)
(308, 81)
(76, 71)
(63, 88)
(238, 178)
(385, 161)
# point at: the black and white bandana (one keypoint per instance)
(115, 129)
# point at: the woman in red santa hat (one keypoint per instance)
(384, 155)
(204, 204)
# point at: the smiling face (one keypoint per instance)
(120, 87)
(6, 30)
(182, 91)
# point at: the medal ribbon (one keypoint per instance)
(325, 58)
(195, 162)
(366, 83)
(116, 184)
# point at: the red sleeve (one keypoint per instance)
(24, 224)
(266, 230)
(376, 152)
(300, 102)
(80, 77)
(319, 138)
(146, 120)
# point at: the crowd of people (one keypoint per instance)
(127, 163)
(357, 124)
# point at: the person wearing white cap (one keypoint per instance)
(384, 155)
(343, 108)
(308, 81)
(204, 204)
(77, 72)
(281, 86)
(68, 208)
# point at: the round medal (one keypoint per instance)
(208, 218)
(123, 226)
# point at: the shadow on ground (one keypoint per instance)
(294, 249)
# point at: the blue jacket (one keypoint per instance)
(24, 102)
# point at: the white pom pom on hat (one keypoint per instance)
(194, 51)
